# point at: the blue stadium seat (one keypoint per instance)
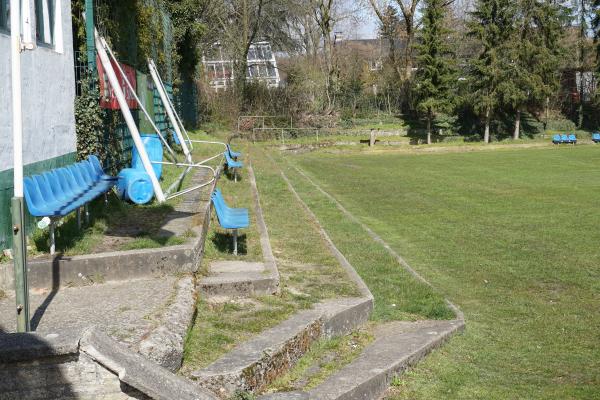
(572, 139)
(61, 191)
(234, 154)
(230, 218)
(596, 137)
(556, 139)
(564, 138)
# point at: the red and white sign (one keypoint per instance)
(107, 94)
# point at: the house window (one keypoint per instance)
(44, 21)
(4, 15)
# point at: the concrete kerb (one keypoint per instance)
(164, 345)
(265, 243)
(254, 364)
(115, 266)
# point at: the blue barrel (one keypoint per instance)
(135, 185)
(154, 148)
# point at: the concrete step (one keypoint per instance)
(253, 365)
(399, 345)
(234, 279)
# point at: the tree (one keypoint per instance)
(596, 26)
(242, 22)
(492, 26)
(408, 9)
(435, 74)
(531, 70)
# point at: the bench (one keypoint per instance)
(564, 139)
(596, 137)
(232, 164)
(230, 218)
(58, 192)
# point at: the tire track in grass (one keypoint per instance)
(459, 314)
(400, 296)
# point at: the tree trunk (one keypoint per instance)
(429, 118)
(486, 133)
(517, 131)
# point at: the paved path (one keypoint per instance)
(124, 310)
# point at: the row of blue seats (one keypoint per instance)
(564, 139)
(596, 137)
(60, 191)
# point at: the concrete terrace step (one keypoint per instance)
(399, 345)
(238, 279)
(254, 364)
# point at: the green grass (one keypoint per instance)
(510, 236)
(398, 296)
(309, 273)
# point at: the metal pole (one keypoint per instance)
(170, 111)
(235, 247)
(135, 134)
(89, 34)
(18, 215)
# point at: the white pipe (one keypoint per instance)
(165, 100)
(135, 134)
(17, 112)
(172, 106)
(137, 99)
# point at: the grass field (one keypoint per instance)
(511, 236)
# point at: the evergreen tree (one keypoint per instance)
(436, 72)
(596, 25)
(531, 72)
(492, 26)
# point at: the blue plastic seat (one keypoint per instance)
(35, 202)
(231, 163)
(95, 163)
(564, 138)
(556, 139)
(235, 211)
(572, 139)
(234, 154)
(228, 219)
(596, 137)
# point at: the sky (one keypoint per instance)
(365, 28)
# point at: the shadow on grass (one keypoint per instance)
(233, 176)
(223, 242)
(117, 219)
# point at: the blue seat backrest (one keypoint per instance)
(556, 138)
(45, 189)
(68, 183)
(564, 138)
(54, 181)
(34, 199)
(572, 137)
(95, 162)
(80, 181)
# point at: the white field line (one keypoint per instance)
(362, 286)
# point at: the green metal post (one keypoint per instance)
(20, 261)
(89, 34)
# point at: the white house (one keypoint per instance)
(48, 95)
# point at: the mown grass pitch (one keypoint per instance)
(512, 237)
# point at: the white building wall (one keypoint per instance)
(48, 94)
